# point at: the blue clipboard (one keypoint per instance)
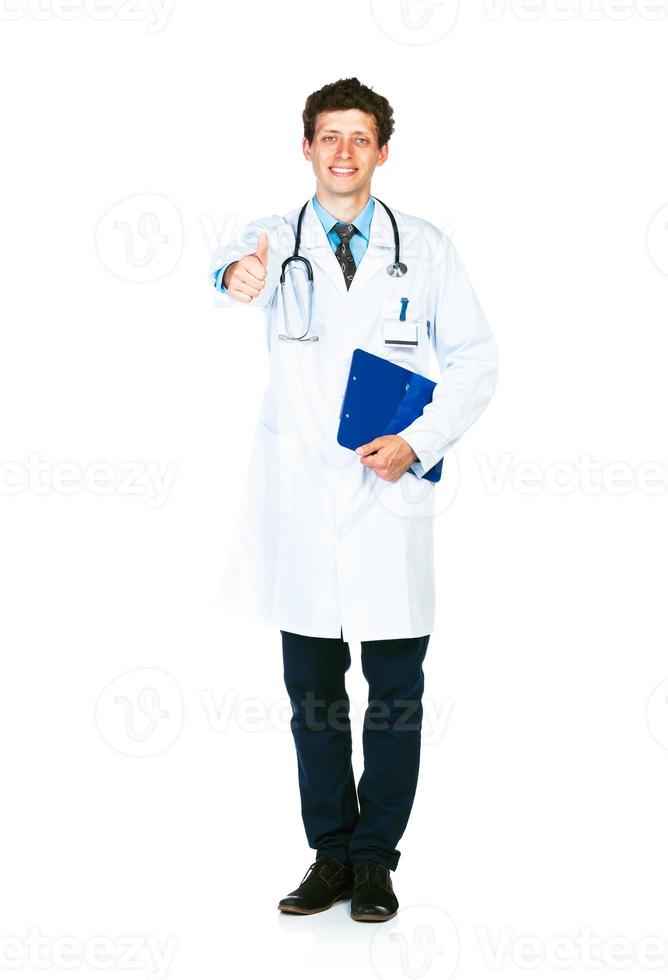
(381, 399)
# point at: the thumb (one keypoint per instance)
(262, 249)
(370, 447)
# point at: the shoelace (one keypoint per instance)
(320, 865)
(364, 871)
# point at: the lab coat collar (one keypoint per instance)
(375, 258)
(362, 221)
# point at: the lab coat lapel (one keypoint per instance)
(378, 255)
(379, 252)
(319, 251)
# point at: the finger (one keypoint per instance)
(370, 447)
(242, 280)
(251, 273)
(237, 294)
(245, 286)
(262, 250)
(254, 267)
(249, 291)
(386, 473)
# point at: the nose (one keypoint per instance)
(343, 152)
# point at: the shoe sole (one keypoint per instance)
(299, 911)
(373, 918)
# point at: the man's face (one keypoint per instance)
(345, 152)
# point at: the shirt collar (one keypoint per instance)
(362, 222)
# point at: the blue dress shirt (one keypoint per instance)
(362, 222)
(358, 243)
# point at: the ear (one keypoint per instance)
(382, 154)
(306, 149)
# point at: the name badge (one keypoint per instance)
(400, 333)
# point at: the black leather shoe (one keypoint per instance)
(326, 882)
(373, 896)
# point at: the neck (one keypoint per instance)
(343, 207)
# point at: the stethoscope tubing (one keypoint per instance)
(396, 269)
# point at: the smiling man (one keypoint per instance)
(334, 546)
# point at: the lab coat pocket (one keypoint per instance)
(413, 334)
(409, 334)
(272, 469)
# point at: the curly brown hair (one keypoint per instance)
(349, 93)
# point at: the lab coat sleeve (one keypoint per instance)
(218, 279)
(280, 235)
(467, 357)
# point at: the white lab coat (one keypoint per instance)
(322, 544)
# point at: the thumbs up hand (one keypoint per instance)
(262, 251)
(244, 279)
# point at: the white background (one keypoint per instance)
(535, 135)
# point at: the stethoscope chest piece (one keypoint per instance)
(397, 270)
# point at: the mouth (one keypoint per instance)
(343, 171)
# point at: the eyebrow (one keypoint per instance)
(356, 132)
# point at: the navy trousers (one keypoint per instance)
(337, 823)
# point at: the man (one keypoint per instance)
(334, 546)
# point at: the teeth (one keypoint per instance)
(341, 170)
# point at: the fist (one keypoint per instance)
(244, 279)
(388, 456)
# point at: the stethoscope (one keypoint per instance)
(396, 269)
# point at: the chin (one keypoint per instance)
(347, 187)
